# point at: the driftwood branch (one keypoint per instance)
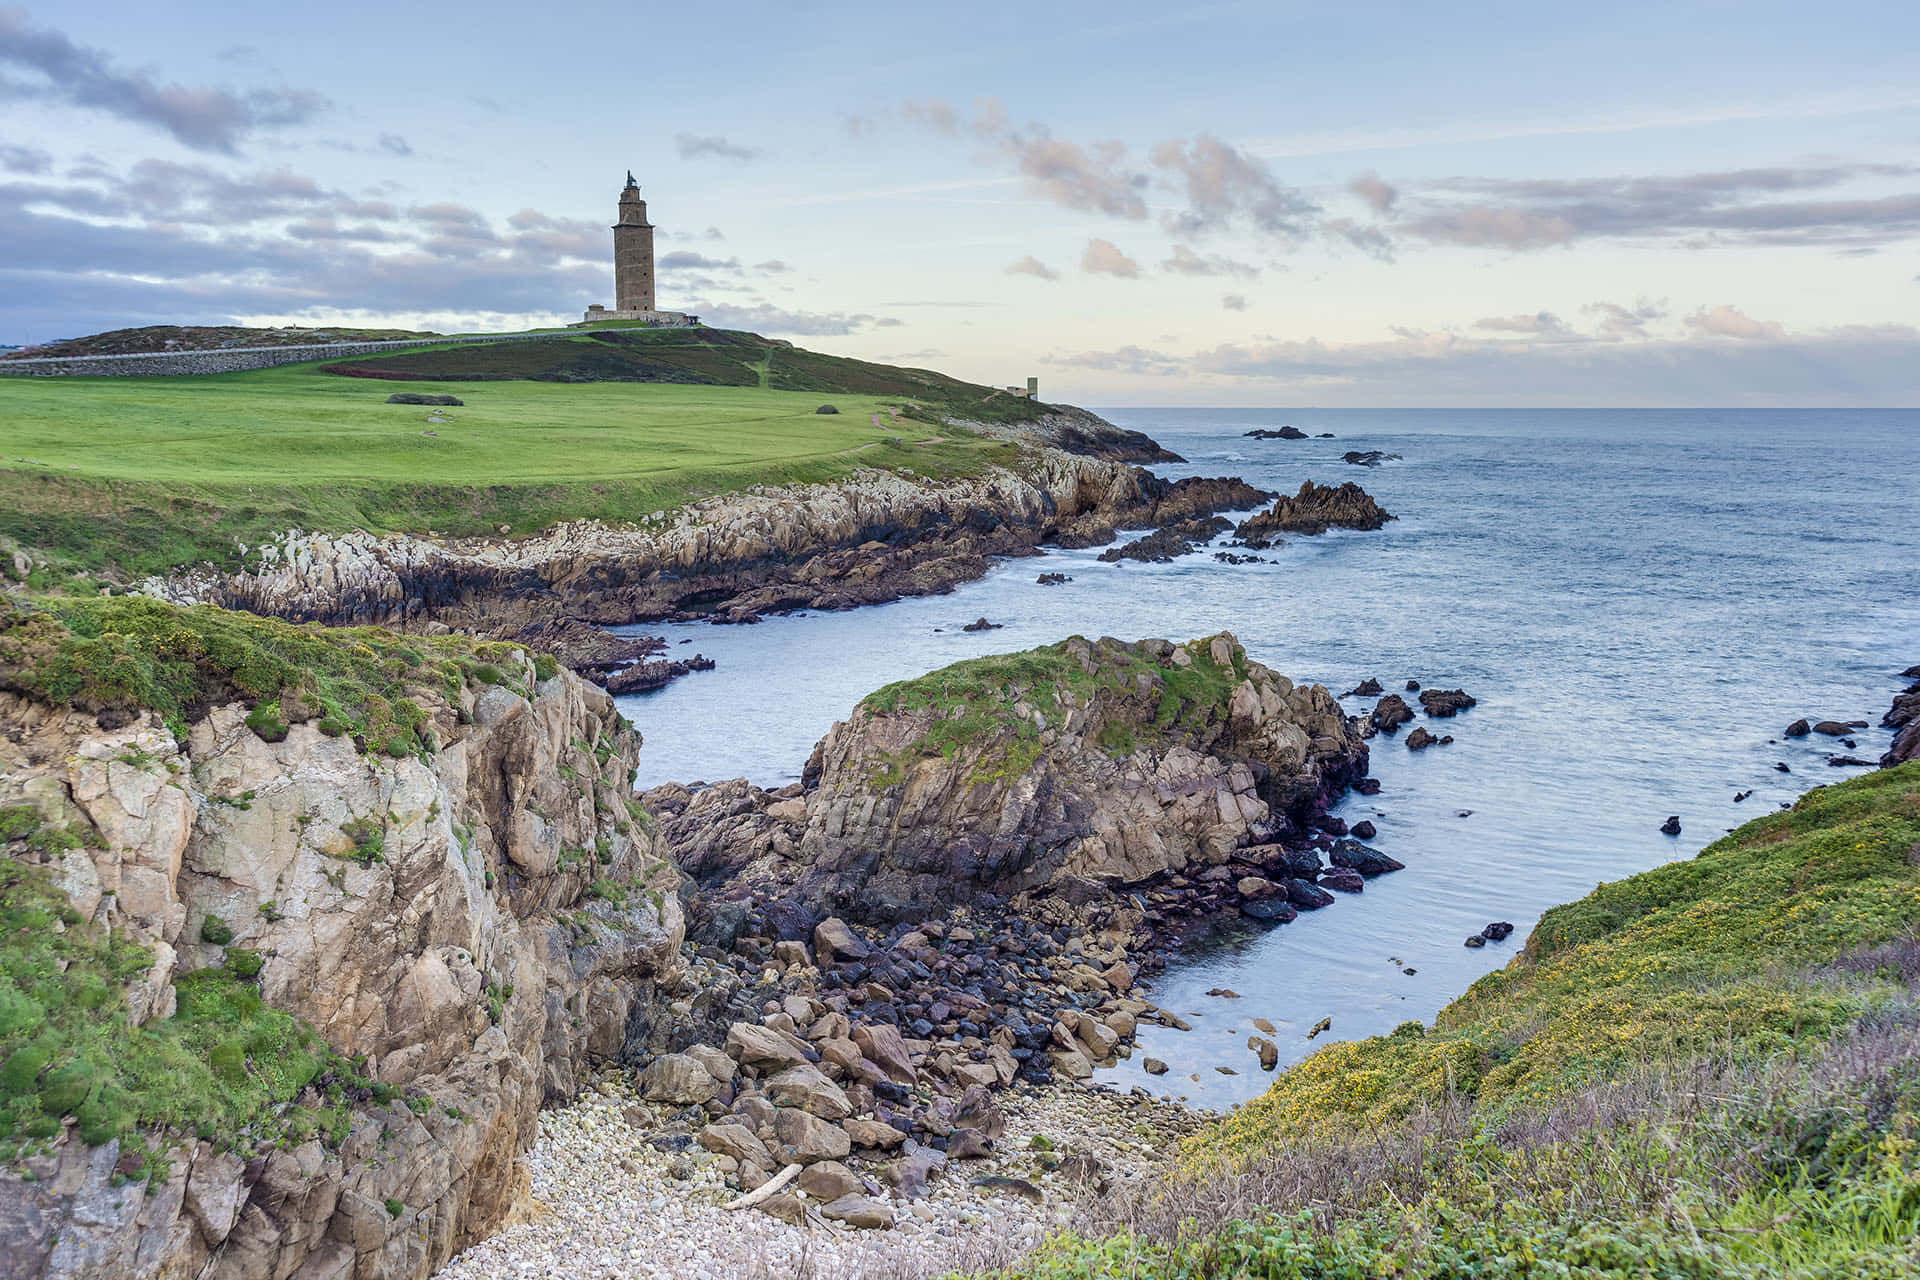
(766, 1189)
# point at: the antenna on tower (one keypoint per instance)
(631, 184)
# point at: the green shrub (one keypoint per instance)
(265, 721)
(216, 931)
(242, 963)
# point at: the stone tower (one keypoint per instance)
(632, 252)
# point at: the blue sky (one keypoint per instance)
(1220, 204)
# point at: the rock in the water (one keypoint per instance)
(1368, 688)
(1368, 458)
(1798, 729)
(1476, 941)
(1153, 1067)
(1498, 931)
(1420, 739)
(1168, 544)
(1053, 579)
(1367, 861)
(1445, 703)
(1307, 895)
(1284, 433)
(1269, 1051)
(1342, 880)
(1389, 714)
(1831, 728)
(1363, 830)
(1313, 510)
(981, 624)
(1671, 827)
(1325, 1024)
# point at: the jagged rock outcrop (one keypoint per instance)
(1313, 510)
(874, 537)
(1103, 762)
(471, 925)
(1904, 718)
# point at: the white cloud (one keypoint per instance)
(1103, 257)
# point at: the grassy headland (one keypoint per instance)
(129, 653)
(989, 703)
(127, 476)
(1709, 1070)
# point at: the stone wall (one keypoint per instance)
(232, 360)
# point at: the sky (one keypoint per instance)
(1215, 204)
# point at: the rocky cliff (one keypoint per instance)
(445, 929)
(1904, 718)
(870, 539)
(1106, 762)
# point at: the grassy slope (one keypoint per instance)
(1711, 1069)
(136, 475)
(973, 700)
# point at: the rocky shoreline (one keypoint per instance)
(873, 538)
(953, 910)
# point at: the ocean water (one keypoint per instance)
(1640, 600)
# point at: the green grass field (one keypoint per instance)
(136, 475)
